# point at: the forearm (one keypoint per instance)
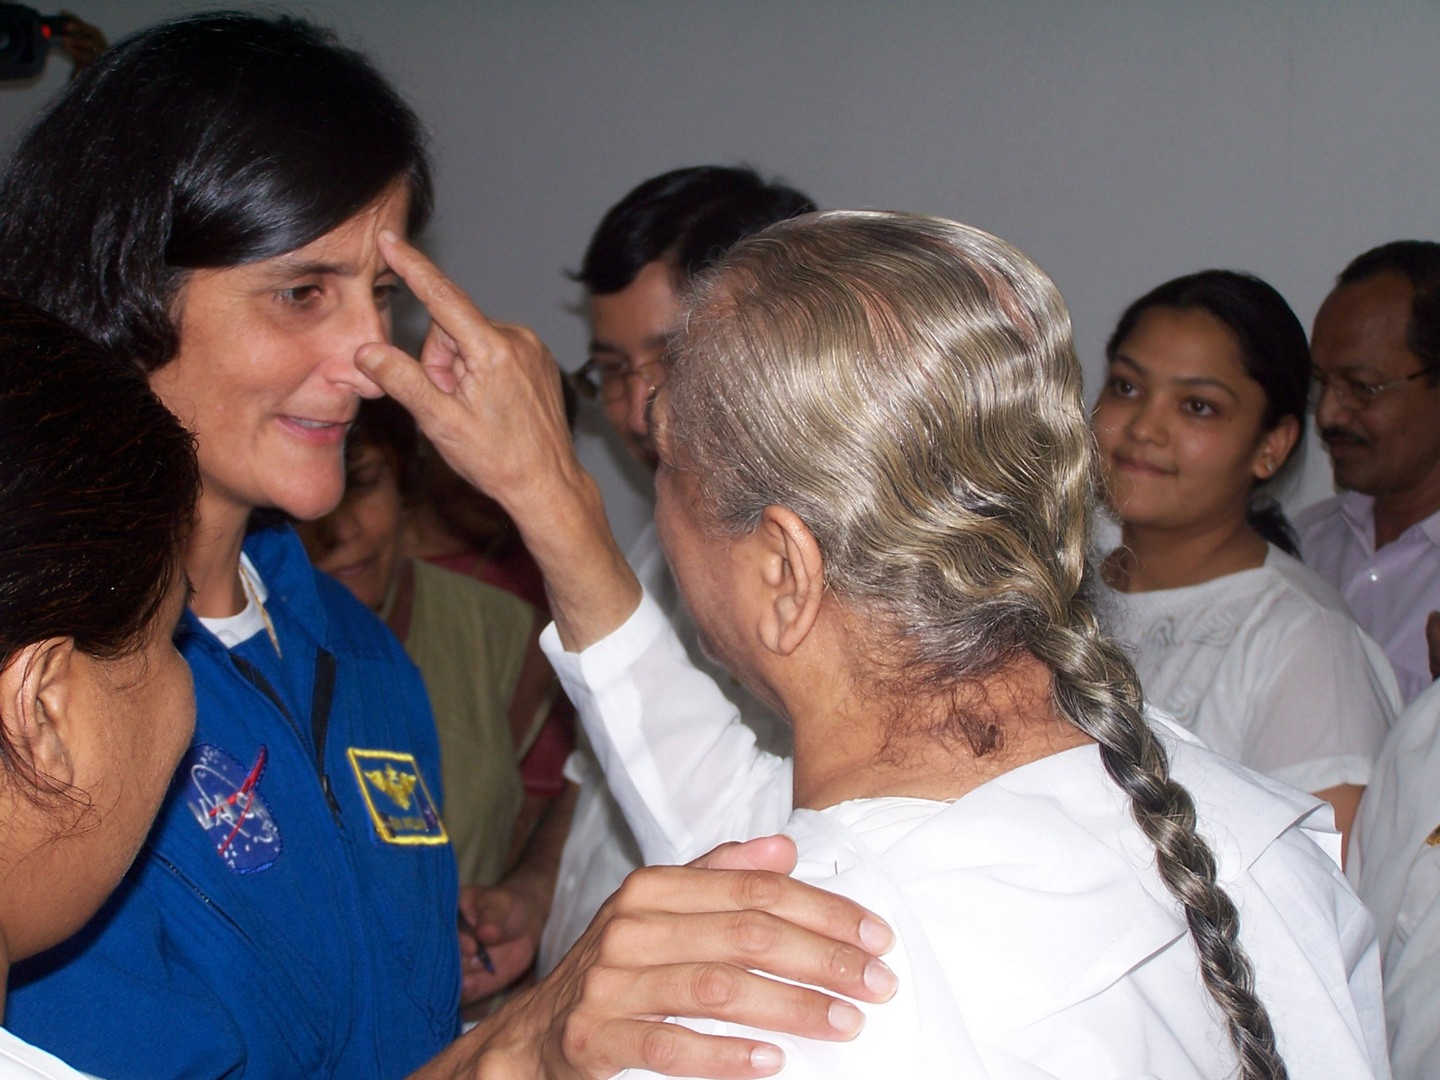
(590, 586)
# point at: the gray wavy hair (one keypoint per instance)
(908, 386)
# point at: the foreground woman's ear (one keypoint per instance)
(37, 695)
(794, 575)
(1275, 446)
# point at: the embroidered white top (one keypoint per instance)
(1266, 666)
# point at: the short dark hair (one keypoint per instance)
(1272, 344)
(97, 487)
(691, 216)
(1419, 262)
(207, 141)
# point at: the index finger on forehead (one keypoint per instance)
(446, 301)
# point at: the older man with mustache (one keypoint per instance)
(1376, 353)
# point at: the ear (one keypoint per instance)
(1275, 446)
(793, 578)
(38, 692)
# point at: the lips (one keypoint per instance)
(317, 432)
(1129, 464)
(352, 569)
(1340, 439)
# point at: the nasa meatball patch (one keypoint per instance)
(224, 795)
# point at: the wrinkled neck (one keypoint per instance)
(903, 740)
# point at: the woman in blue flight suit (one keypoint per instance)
(205, 200)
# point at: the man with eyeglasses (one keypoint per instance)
(1376, 354)
(643, 255)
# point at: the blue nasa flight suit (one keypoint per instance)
(267, 928)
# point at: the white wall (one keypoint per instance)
(1119, 144)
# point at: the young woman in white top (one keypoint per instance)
(874, 488)
(1203, 404)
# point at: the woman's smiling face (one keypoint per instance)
(265, 375)
(1180, 423)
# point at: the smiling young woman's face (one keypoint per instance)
(266, 376)
(1180, 423)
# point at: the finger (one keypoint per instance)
(402, 379)
(746, 939)
(693, 889)
(776, 853)
(723, 992)
(447, 303)
(674, 1050)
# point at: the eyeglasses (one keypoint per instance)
(602, 378)
(1355, 393)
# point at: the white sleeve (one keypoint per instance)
(1321, 705)
(1397, 872)
(683, 767)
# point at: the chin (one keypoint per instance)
(308, 497)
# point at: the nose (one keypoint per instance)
(639, 386)
(1146, 425)
(363, 322)
(1330, 407)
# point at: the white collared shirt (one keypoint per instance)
(1035, 936)
(1391, 591)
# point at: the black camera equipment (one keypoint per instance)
(25, 37)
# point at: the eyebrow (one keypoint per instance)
(1191, 381)
(654, 341)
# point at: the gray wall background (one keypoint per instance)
(1119, 144)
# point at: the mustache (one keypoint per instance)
(1342, 435)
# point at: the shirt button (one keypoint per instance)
(1374, 575)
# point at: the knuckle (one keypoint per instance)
(753, 932)
(714, 986)
(617, 937)
(631, 890)
(660, 1047)
(575, 1036)
(757, 889)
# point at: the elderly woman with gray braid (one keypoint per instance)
(876, 479)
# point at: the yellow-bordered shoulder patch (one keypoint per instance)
(400, 805)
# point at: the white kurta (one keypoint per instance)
(599, 848)
(1395, 864)
(1265, 666)
(1035, 937)
(21, 1061)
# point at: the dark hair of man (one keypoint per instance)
(209, 141)
(1419, 262)
(692, 216)
(97, 487)
(1272, 344)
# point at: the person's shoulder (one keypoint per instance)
(1319, 516)
(1250, 811)
(1305, 589)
